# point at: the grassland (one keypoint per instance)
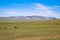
(30, 30)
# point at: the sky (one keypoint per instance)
(47, 8)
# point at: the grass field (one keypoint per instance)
(31, 30)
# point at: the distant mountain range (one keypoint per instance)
(22, 18)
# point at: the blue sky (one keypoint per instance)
(48, 8)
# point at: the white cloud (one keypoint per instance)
(10, 11)
(45, 11)
(18, 12)
(35, 9)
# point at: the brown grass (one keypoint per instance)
(41, 37)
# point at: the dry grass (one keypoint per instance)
(46, 37)
(34, 30)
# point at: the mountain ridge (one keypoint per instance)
(27, 18)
